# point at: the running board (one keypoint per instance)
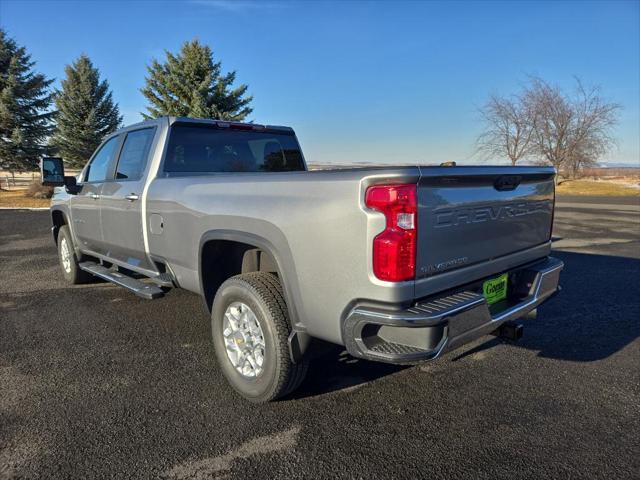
(163, 280)
(144, 290)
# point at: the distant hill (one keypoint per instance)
(336, 165)
(618, 165)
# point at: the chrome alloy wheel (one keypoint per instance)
(65, 255)
(243, 339)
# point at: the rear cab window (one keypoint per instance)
(133, 157)
(208, 149)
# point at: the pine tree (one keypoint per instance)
(86, 112)
(191, 84)
(24, 103)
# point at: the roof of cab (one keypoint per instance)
(201, 121)
(225, 123)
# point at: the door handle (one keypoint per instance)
(132, 197)
(95, 196)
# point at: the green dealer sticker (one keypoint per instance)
(495, 289)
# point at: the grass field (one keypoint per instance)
(19, 198)
(595, 187)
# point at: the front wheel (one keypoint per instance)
(250, 328)
(69, 260)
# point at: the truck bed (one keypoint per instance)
(318, 222)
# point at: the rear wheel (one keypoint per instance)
(69, 260)
(250, 328)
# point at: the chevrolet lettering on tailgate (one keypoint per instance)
(448, 217)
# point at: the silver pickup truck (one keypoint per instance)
(397, 264)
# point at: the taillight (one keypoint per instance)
(394, 250)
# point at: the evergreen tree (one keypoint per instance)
(24, 103)
(191, 84)
(85, 112)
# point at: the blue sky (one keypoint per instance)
(358, 80)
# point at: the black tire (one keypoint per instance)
(73, 274)
(263, 294)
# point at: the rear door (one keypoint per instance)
(121, 201)
(85, 206)
(470, 215)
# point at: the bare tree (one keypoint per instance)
(570, 132)
(593, 134)
(508, 131)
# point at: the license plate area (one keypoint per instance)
(495, 289)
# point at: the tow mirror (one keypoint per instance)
(52, 175)
(52, 171)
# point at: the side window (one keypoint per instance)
(97, 170)
(133, 157)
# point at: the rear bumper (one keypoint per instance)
(439, 324)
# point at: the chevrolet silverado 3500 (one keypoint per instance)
(397, 264)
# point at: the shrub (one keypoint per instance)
(37, 190)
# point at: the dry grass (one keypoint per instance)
(611, 172)
(600, 187)
(21, 199)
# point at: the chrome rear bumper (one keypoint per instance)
(442, 323)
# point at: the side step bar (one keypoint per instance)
(163, 280)
(144, 290)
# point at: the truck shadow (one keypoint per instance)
(596, 315)
(335, 370)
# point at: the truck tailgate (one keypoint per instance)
(469, 215)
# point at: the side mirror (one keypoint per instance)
(52, 171)
(71, 185)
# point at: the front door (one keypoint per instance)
(85, 206)
(121, 202)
